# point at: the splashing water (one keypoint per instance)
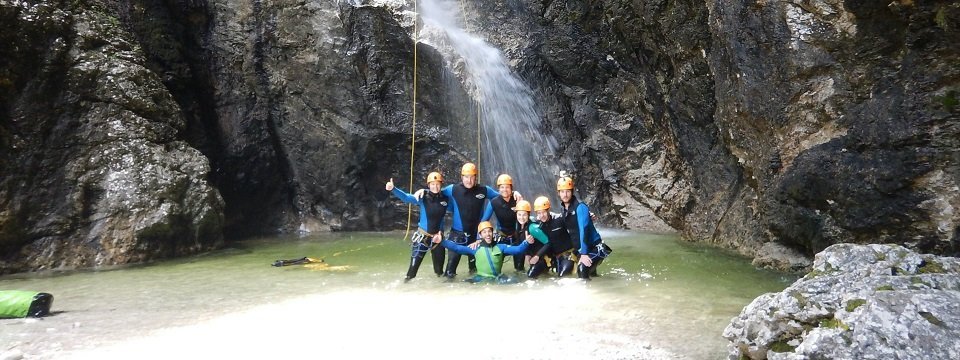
(512, 141)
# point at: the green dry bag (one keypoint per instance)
(18, 304)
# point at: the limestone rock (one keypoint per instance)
(858, 302)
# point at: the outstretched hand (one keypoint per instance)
(418, 194)
(516, 195)
(529, 239)
(474, 245)
(389, 185)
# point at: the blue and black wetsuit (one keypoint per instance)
(433, 207)
(507, 226)
(584, 235)
(470, 207)
(558, 249)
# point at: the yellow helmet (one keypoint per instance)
(541, 203)
(484, 225)
(522, 205)
(565, 183)
(504, 179)
(468, 169)
(434, 176)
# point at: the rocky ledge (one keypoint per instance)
(858, 302)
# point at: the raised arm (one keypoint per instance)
(513, 249)
(459, 249)
(404, 196)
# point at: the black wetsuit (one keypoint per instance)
(433, 207)
(469, 209)
(558, 248)
(507, 226)
(576, 216)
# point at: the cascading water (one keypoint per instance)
(512, 141)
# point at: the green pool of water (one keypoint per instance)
(656, 290)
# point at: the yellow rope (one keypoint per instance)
(413, 127)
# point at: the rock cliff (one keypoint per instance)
(773, 128)
(798, 124)
(93, 170)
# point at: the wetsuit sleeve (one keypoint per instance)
(583, 216)
(491, 192)
(403, 196)
(459, 249)
(487, 212)
(448, 191)
(513, 249)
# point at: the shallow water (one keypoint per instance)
(657, 298)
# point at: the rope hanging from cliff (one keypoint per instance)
(413, 126)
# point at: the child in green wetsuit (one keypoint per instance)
(489, 255)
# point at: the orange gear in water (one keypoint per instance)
(565, 183)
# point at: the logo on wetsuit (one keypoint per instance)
(443, 203)
(481, 196)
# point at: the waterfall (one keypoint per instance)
(512, 141)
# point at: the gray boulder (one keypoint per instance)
(858, 302)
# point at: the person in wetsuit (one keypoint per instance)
(503, 209)
(470, 205)
(523, 210)
(589, 247)
(558, 248)
(488, 254)
(433, 206)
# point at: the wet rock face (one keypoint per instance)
(858, 302)
(739, 123)
(745, 123)
(314, 111)
(92, 171)
(831, 111)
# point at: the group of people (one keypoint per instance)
(558, 242)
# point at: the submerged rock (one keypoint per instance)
(858, 302)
